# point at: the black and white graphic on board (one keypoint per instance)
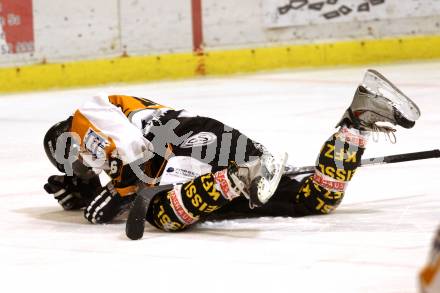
(281, 13)
(318, 6)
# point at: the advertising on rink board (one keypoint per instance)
(284, 13)
(17, 31)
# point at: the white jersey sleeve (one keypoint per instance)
(105, 133)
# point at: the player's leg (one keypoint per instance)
(337, 162)
(217, 144)
(319, 193)
(237, 167)
(187, 203)
(376, 100)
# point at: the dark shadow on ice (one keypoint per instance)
(232, 233)
(346, 211)
(197, 231)
(58, 215)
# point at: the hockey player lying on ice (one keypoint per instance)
(216, 170)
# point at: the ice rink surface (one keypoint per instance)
(375, 242)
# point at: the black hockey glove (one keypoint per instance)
(107, 205)
(71, 192)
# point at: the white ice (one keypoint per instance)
(376, 241)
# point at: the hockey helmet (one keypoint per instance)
(50, 142)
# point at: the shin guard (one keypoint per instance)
(338, 160)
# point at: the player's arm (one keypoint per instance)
(129, 142)
(116, 196)
(105, 140)
(72, 192)
(109, 142)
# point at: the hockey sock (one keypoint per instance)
(186, 204)
(341, 154)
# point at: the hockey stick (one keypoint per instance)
(134, 228)
(293, 171)
(136, 219)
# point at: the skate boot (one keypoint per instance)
(378, 100)
(257, 180)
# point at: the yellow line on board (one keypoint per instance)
(184, 65)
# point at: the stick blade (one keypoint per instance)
(134, 229)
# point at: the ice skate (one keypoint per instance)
(257, 180)
(378, 100)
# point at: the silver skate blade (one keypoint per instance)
(271, 185)
(380, 85)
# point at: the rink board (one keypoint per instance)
(218, 62)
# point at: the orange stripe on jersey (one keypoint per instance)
(129, 104)
(93, 141)
(125, 191)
